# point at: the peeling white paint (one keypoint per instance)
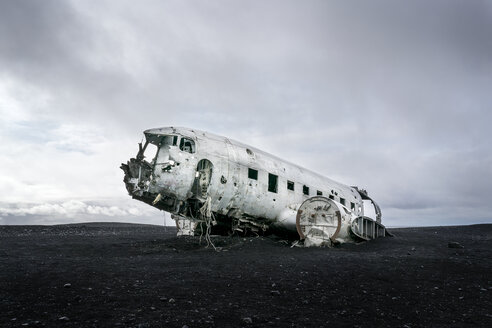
(249, 190)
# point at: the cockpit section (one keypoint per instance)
(157, 147)
(161, 170)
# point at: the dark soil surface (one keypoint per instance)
(110, 275)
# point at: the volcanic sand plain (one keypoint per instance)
(130, 275)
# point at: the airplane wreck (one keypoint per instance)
(213, 184)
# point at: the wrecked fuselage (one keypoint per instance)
(210, 182)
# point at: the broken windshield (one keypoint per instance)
(149, 151)
(165, 143)
(158, 144)
(168, 141)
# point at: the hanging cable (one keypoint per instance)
(207, 216)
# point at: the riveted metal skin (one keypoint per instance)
(180, 170)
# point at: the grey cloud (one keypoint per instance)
(394, 96)
(32, 33)
(76, 211)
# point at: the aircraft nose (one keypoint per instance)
(132, 176)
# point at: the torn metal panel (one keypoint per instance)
(207, 179)
(366, 228)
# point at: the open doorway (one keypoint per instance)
(202, 179)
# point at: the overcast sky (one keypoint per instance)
(393, 96)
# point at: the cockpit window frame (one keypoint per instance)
(184, 148)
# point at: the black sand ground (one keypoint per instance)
(107, 275)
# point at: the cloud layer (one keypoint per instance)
(79, 211)
(391, 96)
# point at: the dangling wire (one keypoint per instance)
(209, 219)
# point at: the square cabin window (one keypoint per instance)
(352, 206)
(305, 190)
(342, 201)
(252, 174)
(331, 197)
(290, 185)
(319, 193)
(272, 182)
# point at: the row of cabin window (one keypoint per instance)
(273, 185)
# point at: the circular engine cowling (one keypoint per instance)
(321, 221)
